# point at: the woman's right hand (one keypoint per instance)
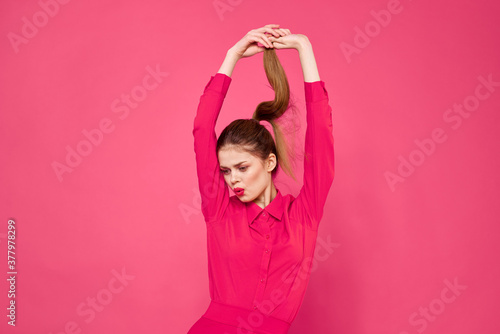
(248, 45)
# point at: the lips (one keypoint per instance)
(239, 191)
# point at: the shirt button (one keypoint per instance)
(267, 250)
(267, 236)
(262, 280)
(264, 214)
(255, 307)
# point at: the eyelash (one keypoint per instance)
(224, 170)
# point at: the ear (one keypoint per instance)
(271, 162)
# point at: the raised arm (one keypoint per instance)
(302, 44)
(319, 167)
(213, 190)
(319, 154)
(307, 60)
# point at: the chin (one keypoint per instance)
(245, 198)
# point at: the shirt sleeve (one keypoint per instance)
(213, 190)
(319, 154)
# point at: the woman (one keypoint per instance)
(260, 242)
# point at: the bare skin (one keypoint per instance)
(272, 36)
(244, 170)
(255, 175)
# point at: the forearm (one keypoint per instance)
(308, 62)
(229, 63)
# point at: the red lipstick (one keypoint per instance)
(239, 191)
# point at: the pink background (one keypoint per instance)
(131, 205)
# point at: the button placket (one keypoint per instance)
(266, 256)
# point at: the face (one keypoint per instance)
(244, 170)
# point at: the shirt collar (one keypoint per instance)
(275, 208)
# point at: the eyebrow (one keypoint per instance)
(239, 163)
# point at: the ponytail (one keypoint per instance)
(252, 136)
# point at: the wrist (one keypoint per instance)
(229, 63)
(303, 43)
(233, 55)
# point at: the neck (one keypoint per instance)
(267, 196)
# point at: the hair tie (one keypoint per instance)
(268, 126)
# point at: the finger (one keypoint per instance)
(284, 32)
(265, 43)
(277, 45)
(265, 35)
(268, 42)
(276, 42)
(271, 31)
(258, 49)
(260, 38)
(252, 39)
(278, 32)
(266, 38)
(271, 25)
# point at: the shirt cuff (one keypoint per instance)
(315, 91)
(218, 83)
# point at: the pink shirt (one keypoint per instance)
(260, 259)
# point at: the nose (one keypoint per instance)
(234, 178)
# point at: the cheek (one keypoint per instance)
(255, 177)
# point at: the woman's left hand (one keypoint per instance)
(290, 41)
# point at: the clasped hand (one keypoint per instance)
(269, 36)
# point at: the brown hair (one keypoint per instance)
(253, 137)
